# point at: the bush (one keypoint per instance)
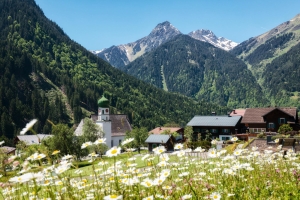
(204, 144)
(261, 135)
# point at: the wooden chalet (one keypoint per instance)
(155, 140)
(257, 120)
(222, 127)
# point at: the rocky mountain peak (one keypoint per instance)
(210, 37)
(164, 29)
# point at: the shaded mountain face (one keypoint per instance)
(273, 59)
(47, 76)
(210, 37)
(122, 55)
(200, 70)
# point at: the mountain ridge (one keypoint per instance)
(123, 54)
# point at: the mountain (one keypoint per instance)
(200, 70)
(46, 75)
(122, 55)
(274, 60)
(210, 37)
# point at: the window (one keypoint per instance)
(271, 125)
(112, 143)
(257, 130)
(214, 130)
(197, 130)
(120, 141)
(224, 137)
(225, 130)
(281, 120)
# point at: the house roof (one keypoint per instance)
(7, 149)
(226, 121)
(119, 125)
(33, 139)
(159, 130)
(162, 139)
(238, 112)
(255, 115)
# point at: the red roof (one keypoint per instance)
(238, 112)
(159, 130)
(255, 115)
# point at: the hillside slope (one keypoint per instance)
(273, 58)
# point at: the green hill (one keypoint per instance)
(46, 75)
(273, 59)
(199, 70)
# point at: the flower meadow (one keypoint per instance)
(182, 174)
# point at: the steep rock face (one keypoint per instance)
(210, 37)
(121, 55)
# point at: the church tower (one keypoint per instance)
(103, 120)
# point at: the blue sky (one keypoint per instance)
(98, 24)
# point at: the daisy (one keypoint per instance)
(114, 151)
(147, 182)
(148, 198)
(212, 153)
(199, 149)
(159, 150)
(234, 139)
(186, 196)
(178, 146)
(2, 142)
(100, 141)
(215, 195)
(28, 126)
(214, 142)
(86, 144)
(127, 141)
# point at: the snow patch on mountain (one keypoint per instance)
(210, 37)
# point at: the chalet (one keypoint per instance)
(8, 150)
(257, 120)
(162, 130)
(31, 139)
(155, 140)
(221, 127)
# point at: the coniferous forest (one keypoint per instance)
(47, 76)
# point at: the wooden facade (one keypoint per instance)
(257, 120)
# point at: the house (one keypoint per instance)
(155, 140)
(114, 126)
(162, 130)
(31, 139)
(257, 120)
(221, 127)
(8, 150)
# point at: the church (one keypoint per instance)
(114, 126)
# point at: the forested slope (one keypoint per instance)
(200, 70)
(45, 75)
(273, 59)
